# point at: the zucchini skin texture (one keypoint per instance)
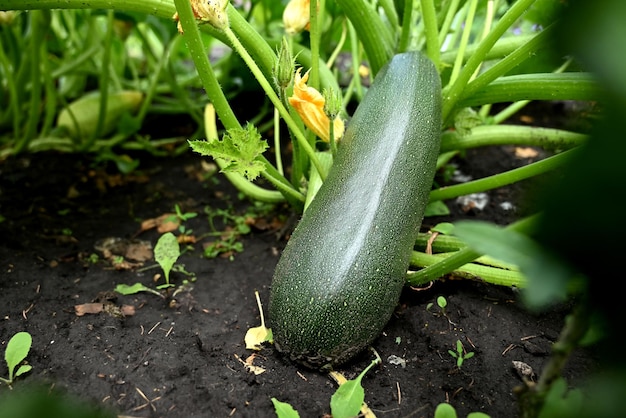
(341, 273)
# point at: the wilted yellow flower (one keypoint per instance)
(297, 16)
(212, 12)
(309, 103)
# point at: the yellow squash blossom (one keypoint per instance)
(296, 16)
(309, 103)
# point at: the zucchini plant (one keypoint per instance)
(375, 180)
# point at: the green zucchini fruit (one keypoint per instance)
(80, 118)
(340, 275)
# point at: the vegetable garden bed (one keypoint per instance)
(187, 358)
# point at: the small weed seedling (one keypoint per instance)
(441, 302)
(166, 252)
(181, 218)
(445, 410)
(346, 402)
(460, 354)
(16, 351)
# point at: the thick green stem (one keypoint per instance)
(503, 179)
(375, 36)
(429, 15)
(545, 86)
(493, 275)
(460, 258)
(489, 135)
(203, 66)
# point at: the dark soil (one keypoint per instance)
(183, 356)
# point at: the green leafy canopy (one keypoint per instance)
(240, 148)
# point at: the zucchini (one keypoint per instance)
(80, 118)
(340, 275)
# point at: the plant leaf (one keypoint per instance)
(17, 350)
(239, 149)
(25, 368)
(125, 289)
(436, 208)
(166, 252)
(347, 400)
(477, 415)
(445, 410)
(284, 410)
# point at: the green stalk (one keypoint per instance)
(407, 19)
(460, 258)
(342, 40)
(501, 49)
(445, 27)
(453, 92)
(39, 25)
(467, 29)
(51, 102)
(158, 71)
(315, 34)
(488, 135)
(103, 81)
(277, 146)
(375, 36)
(14, 96)
(544, 86)
(505, 113)
(519, 55)
(503, 179)
(390, 11)
(492, 275)
(203, 66)
(429, 16)
(275, 101)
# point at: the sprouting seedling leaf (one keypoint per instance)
(16, 351)
(258, 335)
(347, 400)
(445, 410)
(239, 149)
(125, 289)
(166, 252)
(284, 410)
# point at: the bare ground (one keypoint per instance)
(184, 355)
